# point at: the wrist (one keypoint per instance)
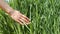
(10, 11)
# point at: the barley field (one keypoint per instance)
(44, 16)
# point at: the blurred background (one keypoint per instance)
(44, 15)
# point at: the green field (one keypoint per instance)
(44, 15)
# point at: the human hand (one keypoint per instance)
(17, 16)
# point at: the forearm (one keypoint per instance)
(5, 6)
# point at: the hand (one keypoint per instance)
(17, 16)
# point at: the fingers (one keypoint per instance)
(23, 16)
(20, 22)
(25, 19)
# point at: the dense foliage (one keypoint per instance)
(44, 15)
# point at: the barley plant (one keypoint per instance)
(44, 16)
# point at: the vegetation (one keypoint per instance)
(44, 15)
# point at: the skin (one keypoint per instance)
(15, 15)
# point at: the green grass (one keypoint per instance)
(44, 15)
